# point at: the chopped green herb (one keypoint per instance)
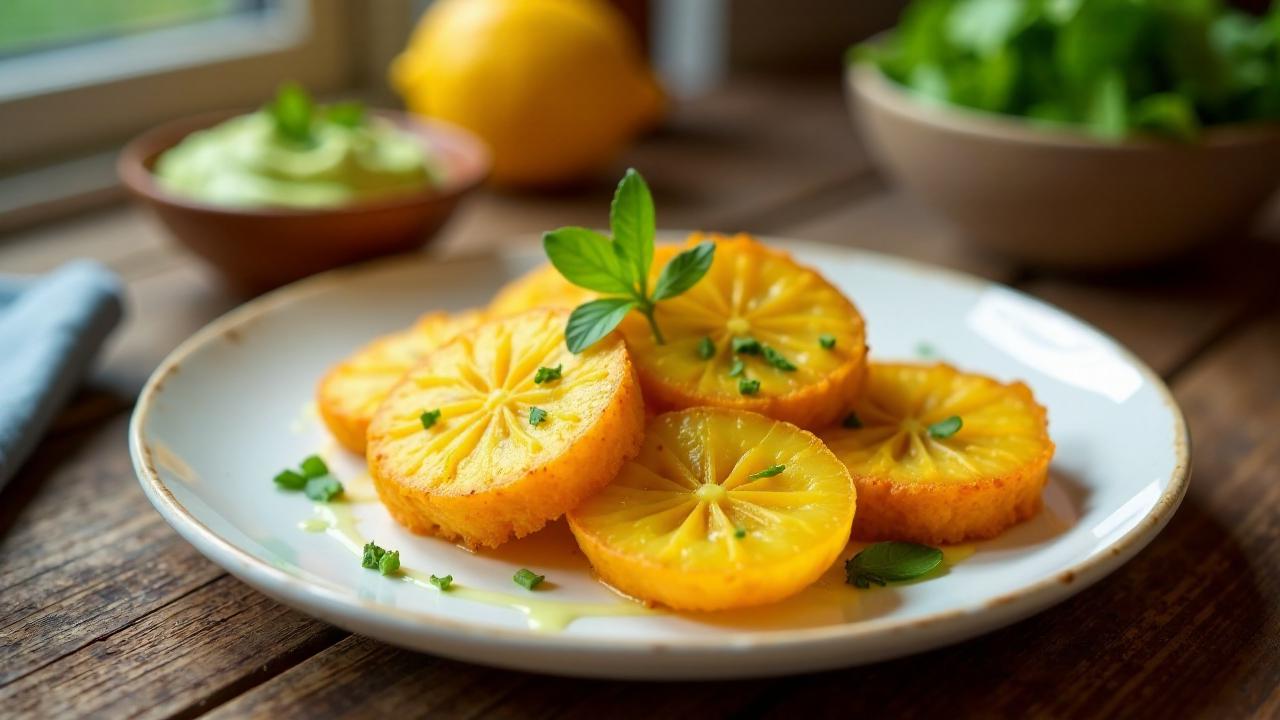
(430, 418)
(290, 480)
(314, 467)
(890, 562)
(442, 582)
(746, 346)
(347, 114)
(537, 416)
(776, 359)
(739, 532)
(946, 428)
(737, 367)
(618, 267)
(546, 374)
(827, 341)
(323, 488)
(851, 421)
(748, 387)
(706, 348)
(925, 350)
(389, 563)
(767, 472)
(528, 579)
(372, 556)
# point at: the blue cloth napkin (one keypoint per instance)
(51, 328)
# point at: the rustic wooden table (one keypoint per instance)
(105, 611)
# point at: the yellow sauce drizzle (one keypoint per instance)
(337, 521)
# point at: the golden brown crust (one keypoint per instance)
(811, 406)
(517, 505)
(954, 511)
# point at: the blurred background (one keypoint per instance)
(78, 78)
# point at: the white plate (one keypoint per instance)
(229, 408)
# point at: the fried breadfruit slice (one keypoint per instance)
(758, 332)
(477, 445)
(721, 509)
(352, 390)
(940, 456)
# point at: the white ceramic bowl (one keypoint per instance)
(1060, 198)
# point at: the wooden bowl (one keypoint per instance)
(261, 248)
(1063, 199)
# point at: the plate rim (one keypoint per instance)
(311, 591)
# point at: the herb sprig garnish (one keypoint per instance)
(294, 114)
(619, 267)
(886, 562)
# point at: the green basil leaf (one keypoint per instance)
(684, 271)
(631, 218)
(587, 259)
(292, 110)
(891, 561)
(591, 321)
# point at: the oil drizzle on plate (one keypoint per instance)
(338, 521)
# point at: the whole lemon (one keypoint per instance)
(555, 87)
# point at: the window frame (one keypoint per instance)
(135, 82)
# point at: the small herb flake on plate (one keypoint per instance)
(745, 346)
(748, 387)
(371, 556)
(827, 341)
(313, 466)
(323, 488)
(537, 416)
(528, 579)
(442, 582)
(737, 368)
(389, 563)
(851, 421)
(430, 418)
(290, 480)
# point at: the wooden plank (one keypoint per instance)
(87, 555)
(222, 637)
(359, 677)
